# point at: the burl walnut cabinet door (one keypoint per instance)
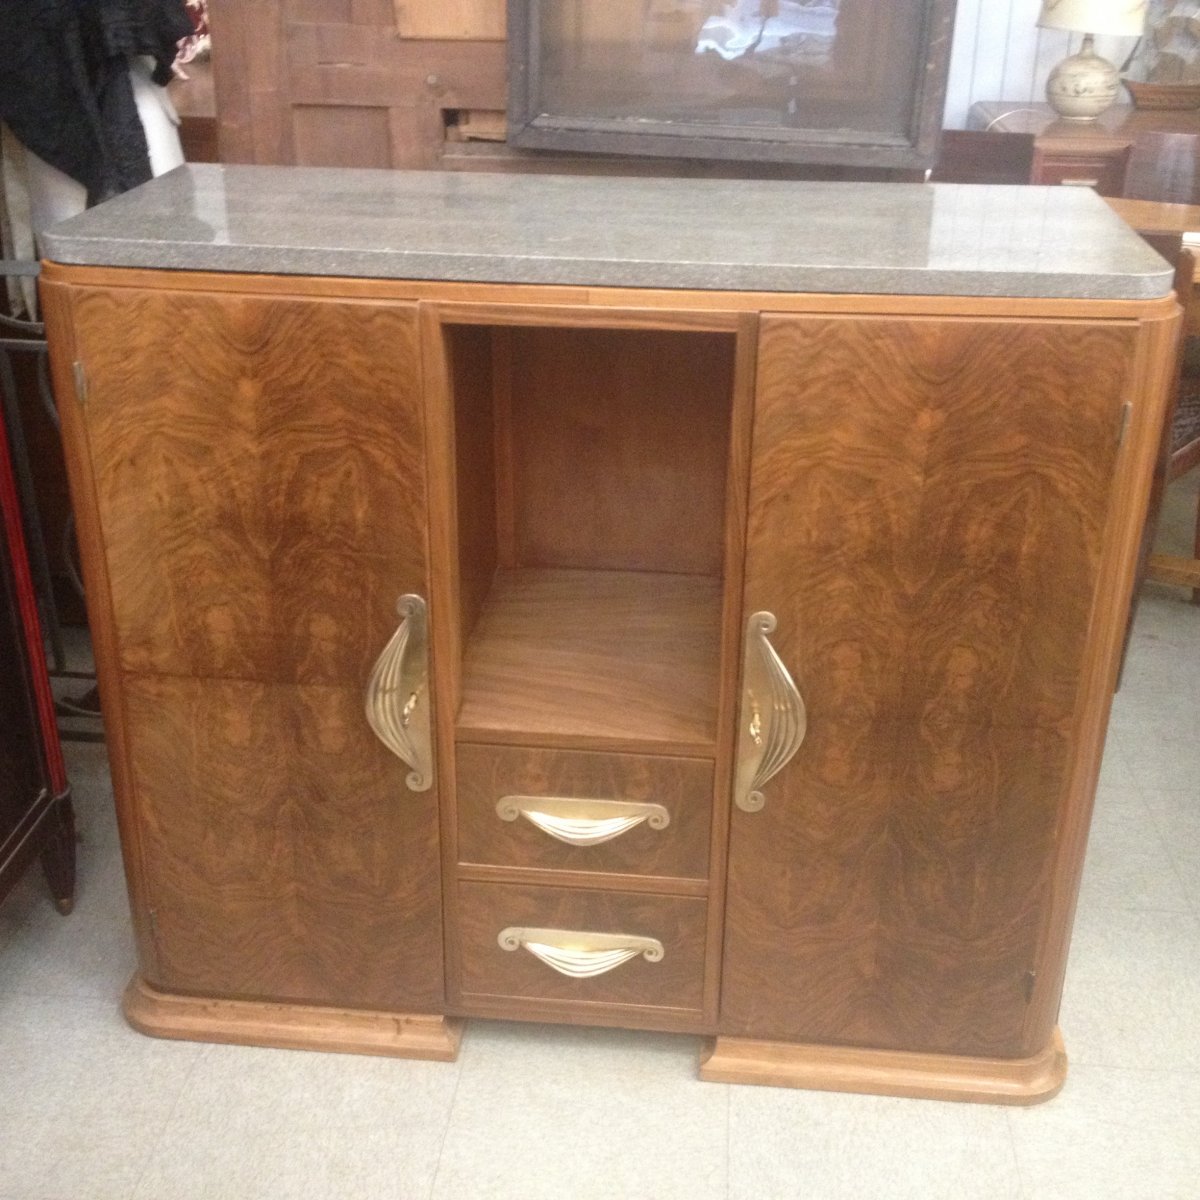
(260, 485)
(928, 502)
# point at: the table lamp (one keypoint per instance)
(1083, 86)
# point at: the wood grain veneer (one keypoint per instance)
(683, 786)
(284, 857)
(675, 983)
(620, 441)
(926, 521)
(587, 659)
(240, 479)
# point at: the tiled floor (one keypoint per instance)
(90, 1110)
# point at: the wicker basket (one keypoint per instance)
(1163, 95)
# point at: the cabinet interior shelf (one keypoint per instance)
(595, 658)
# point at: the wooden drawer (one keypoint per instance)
(1102, 170)
(504, 817)
(675, 980)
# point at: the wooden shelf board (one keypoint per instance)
(595, 658)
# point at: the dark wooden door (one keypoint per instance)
(928, 502)
(260, 487)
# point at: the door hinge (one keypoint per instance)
(80, 384)
(1126, 413)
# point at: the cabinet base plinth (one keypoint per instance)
(290, 1026)
(889, 1072)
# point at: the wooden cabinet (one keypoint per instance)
(598, 494)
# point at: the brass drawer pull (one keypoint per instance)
(772, 721)
(581, 955)
(397, 701)
(582, 822)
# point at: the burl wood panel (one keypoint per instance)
(284, 857)
(928, 500)
(676, 982)
(260, 481)
(684, 786)
(617, 660)
(620, 442)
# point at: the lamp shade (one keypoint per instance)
(1121, 17)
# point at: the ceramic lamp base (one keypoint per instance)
(1083, 86)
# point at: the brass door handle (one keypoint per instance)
(582, 822)
(772, 720)
(579, 954)
(397, 700)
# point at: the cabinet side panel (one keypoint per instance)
(285, 858)
(928, 504)
(259, 470)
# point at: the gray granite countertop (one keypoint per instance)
(888, 238)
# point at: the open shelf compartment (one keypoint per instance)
(590, 481)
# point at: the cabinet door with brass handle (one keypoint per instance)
(927, 505)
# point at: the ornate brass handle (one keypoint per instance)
(397, 700)
(582, 822)
(772, 721)
(578, 954)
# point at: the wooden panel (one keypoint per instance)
(474, 469)
(261, 488)
(676, 982)
(620, 440)
(595, 659)
(450, 18)
(284, 857)
(681, 785)
(928, 501)
(341, 137)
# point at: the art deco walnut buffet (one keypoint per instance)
(686, 606)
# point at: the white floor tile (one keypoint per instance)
(88, 953)
(1128, 865)
(1113, 1135)
(828, 1146)
(66, 1058)
(1176, 815)
(266, 1161)
(546, 1113)
(1132, 995)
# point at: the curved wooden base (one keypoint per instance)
(290, 1026)
(889, 1072)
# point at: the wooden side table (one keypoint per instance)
(1086, 154)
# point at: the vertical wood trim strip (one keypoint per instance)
(445, 613)
(737, 501)
(58, 304)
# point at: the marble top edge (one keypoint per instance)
(762, 235)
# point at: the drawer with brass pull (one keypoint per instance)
(536, 943)
(580, 811)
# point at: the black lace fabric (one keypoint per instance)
(65, 90)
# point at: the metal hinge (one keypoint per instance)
(80, 384)
(1126, 413)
